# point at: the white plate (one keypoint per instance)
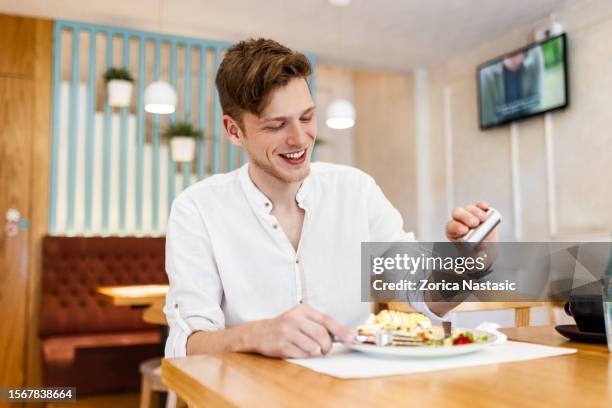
(426, 351)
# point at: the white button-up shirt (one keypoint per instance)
(229, 261)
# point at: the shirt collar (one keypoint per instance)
(259, 200)
(304, 194)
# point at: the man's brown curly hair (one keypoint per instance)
(251, 70)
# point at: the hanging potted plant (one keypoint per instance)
(320, 142)
(182, 136)
(119, 86)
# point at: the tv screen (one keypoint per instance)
(523, 83)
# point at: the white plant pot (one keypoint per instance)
(119, 92)
(182, 148)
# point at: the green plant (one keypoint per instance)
(182, 129)
(117, 73)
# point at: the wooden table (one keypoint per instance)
(133, 295)
(154, 314)
(232, 379)
(152, 297)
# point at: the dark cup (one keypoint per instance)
(587, 311)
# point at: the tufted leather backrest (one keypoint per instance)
(73, 267)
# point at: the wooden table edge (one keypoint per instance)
(189, 390)
(104, 292)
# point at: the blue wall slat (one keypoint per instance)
(187, 84)
(243, 156)
(202, 100)
(142, 34)
(53, 178)
(72, 132)
(123, 141)
(155, 154)
(186, 174)
(216, 145)
(231, 154)
(140, 134)
(171, 163)
(106, 143)
(231, 149)
(187, 109)
(312, 84)
(92, 80)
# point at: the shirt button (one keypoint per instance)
(267, 204)
(297, 261)
(275, 226)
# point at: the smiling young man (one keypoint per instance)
(266, 258)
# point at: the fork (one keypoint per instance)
(384, 338)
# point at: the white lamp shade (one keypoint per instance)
(339, 3)
(340, 114)
(160, 97)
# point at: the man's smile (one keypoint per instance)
(296, 157)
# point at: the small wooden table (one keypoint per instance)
(234, 379)
(133, 295)
(152, 297)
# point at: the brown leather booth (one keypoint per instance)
(86, 342)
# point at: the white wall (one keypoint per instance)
(563, 162)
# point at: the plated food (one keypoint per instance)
(400, 329)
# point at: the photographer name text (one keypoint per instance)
(424, 284)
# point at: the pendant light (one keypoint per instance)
(160, 96)
(340, 112)
(339, 3)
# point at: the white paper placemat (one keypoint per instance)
(342, 362)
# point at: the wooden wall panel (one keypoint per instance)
(384, 133)
(16, 95)
(25, 97)
(39, 189)
(16, 46)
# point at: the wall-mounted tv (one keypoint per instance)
(523, 83)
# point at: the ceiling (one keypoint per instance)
(396, 35)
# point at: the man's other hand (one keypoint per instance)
(466, 218)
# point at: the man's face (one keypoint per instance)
(280, 140)
(514, 62)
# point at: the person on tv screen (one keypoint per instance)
(266, 258)
(512, 88)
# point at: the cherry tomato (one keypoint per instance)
(461, 339)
